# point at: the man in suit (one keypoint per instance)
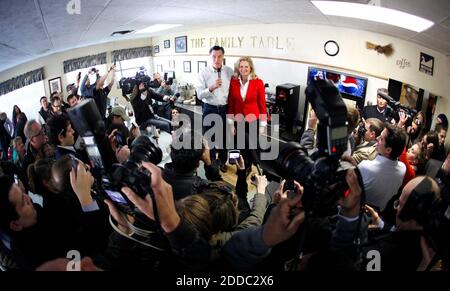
(61, 135)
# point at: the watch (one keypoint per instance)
(331, 48)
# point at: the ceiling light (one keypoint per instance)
(157, 27)
(121, 32)
(373, 13)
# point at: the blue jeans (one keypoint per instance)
(220, 149)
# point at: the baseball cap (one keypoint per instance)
(119, 111)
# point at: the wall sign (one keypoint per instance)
(426, 64)
(403, 63)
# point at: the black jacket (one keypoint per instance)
(184, 185)
(141, 107)
(45, 114)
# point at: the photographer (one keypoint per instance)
(86, 88)
(181, 173)
(156, 82)
(187, 246)
(367, 150)
(39, 234)
(100, 94)
(379, 111)
(141, 100)
(165, 89)
(405, 247)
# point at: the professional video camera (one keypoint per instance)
(127, 84)
(396, 107)
(321, 175)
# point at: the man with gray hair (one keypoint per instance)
(379, 111)
(36, 138)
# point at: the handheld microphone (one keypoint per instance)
(219, 72)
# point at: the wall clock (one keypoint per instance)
(331, 48)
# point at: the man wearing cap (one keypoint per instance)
(117, 120)
(379, 111)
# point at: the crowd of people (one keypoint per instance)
(396, 199)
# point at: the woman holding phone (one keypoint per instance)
(247, 106)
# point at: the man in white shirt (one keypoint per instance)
(212, 88)
(383, 176)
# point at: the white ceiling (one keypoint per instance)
(33, 28)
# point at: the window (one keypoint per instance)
(27, 98)
(128, 68)
(71, 77)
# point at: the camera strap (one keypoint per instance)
(357, 234)
(130, 236)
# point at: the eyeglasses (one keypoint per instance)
(396, 204)
(41, 132)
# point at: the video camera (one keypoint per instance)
(396, 106)
(127, 84)
(322, 174)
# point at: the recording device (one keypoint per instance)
(396, 106)
(219, 73)
(131, 173)
(86, 120)
(321, 175)
(289, 185)
(233, 156)
(111, 178)
(119, 139)
(127, 84)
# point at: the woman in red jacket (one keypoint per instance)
(247, 103)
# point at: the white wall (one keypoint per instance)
(282, 53)
(303, 44)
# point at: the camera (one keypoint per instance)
(112, 177)
(396, 106)
(127, 84)
(322, 175)
(131, 173)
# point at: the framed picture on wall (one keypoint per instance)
(167, 43)
(55, 85)
(156, 49)
(181, 44)
(187, 66)
(201, 65)
(159, 68)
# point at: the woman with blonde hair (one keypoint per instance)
(247, 103)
